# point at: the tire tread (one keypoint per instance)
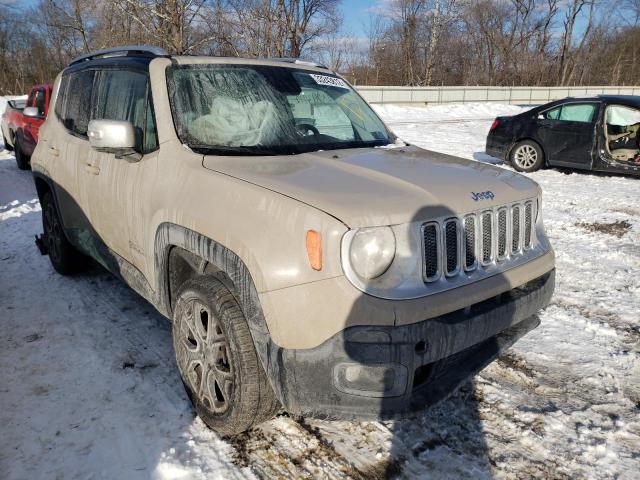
(257, 402)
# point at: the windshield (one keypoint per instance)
(265, 110)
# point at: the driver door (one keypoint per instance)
(116, 182)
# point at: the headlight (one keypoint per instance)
(372, 251)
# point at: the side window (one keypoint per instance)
(77, 110)
(60, 98)
(40, 101)
(150, 133)
(31, 100)
(123, 96)
(578, 112)
(552, 114)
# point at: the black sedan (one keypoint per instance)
(598, 133)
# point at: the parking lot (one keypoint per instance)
(90, 390)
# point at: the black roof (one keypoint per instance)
(139, 56)
(135, 62)
(630, 100)
(148, 50)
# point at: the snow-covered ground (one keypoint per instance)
(89, 389)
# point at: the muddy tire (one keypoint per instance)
(63, 256)
(217, 360)
(22, 160)
(527, 156)
(7, 147)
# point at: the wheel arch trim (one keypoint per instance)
(40, 178)
(170, 235)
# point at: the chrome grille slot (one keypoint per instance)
(480, 243)
(431, 262)
(502, 233)
(528, 214)
(487, 237)
(451, 246)
(470, 242)
(515, 229)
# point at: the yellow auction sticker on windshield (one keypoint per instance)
(329, 81)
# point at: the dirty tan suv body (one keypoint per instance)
(173, 214)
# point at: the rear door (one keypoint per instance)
(70, 148)
(567, 133)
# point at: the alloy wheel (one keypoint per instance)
(203, 357)
(525, 156)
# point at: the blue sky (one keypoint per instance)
(355, 16)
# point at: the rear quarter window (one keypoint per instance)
(552, 114)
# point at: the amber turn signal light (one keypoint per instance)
(314, 249)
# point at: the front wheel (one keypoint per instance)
(22, 160)
(217, 360)
(527, 157)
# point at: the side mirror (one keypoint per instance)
(113, 136)
(540, 116)
(31, 112)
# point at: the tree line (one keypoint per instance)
(405, 42)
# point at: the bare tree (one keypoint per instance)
(410, 42)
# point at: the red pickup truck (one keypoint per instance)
(20, 126)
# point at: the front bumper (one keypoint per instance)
(373, 372)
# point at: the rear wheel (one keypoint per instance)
(527, 156)
(63, 256)
(22, 160)
(218, 363)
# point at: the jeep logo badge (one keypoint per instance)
(488, 195)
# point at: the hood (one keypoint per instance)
(381, 186)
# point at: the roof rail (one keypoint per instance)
(298, 61)
(126, 49)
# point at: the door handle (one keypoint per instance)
(91, 169)
(54, 151)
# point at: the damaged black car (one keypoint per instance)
(597, 133)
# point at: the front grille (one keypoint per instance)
(487, 236)
(477, 240)
(527, 224)
(470, 242)
(502, 233)
(451, 245)
(515, 228)
(430, 235)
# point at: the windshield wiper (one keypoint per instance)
(345, 145)
(291, 149)
(233, 151)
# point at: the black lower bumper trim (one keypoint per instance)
(373, 372)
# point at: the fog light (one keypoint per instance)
(379, 380)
